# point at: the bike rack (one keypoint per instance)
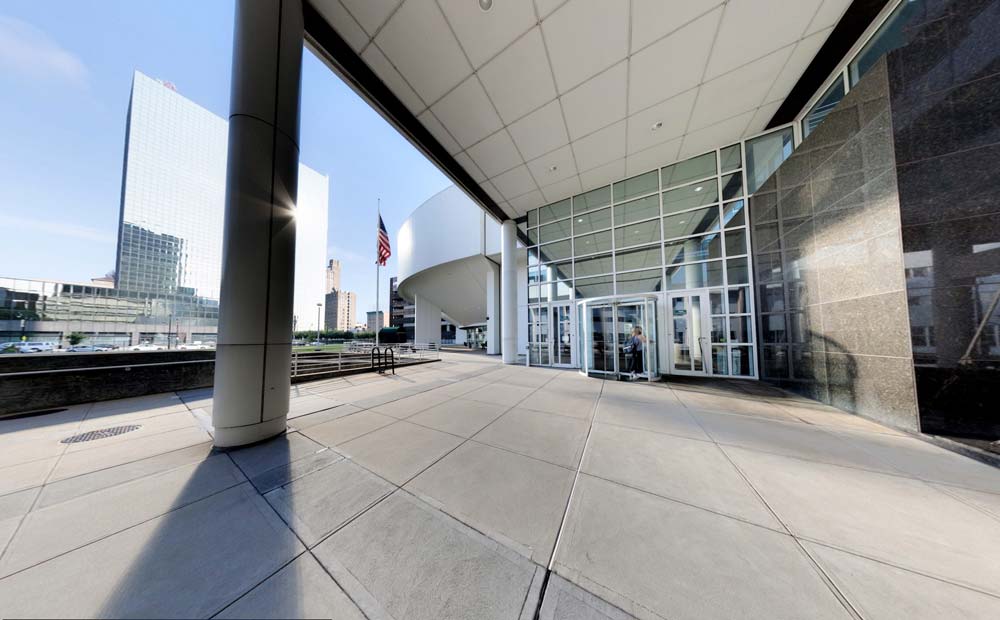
(376, 355)
(390, 358)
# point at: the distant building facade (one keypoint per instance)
(341, 307)
(376, 320)
(333, 275)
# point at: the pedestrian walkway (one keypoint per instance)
(469, 489)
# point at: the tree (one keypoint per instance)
(76, 338)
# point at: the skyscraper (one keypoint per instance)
(333, 275)
(341, 306)
(173, 200)
(376, 320)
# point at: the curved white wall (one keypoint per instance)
(448, 226)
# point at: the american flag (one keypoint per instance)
(383, 251)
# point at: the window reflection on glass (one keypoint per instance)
(764, 155)
(637, 234)
(733, 214)
(739, 329)
(636, 186)
(595, 242)
(719, 329)
(827, 102)
(739, 300)
(555, 211)
(692, 169)
(742, 361)
(594, 266)
(889, 37)
(553, 231)
(691, 223)
(638, 259)
(715, 302)
(738, 272)
(589, 222)
(736, 242)
(730, 158)
(594, 199)
(637, 210)
(594, 287)
(649, 281)
(691, 196)
(533, 217)
(555, 251)
(732, 186)
(693, 249)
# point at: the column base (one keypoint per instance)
(231, 437)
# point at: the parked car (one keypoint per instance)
(9, 347)
(197, 345)
(88, 348)
(145, 347)
(35, 347)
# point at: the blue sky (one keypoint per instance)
(65, 71)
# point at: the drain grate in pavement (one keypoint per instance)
(102, 433)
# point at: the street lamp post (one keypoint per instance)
(319, 306)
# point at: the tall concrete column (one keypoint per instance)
(426, 321)
(253, 357)
(508, 291)
(493, 309)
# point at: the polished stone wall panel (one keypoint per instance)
(829, 260)
(945, 101)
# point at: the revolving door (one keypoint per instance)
(605, 326)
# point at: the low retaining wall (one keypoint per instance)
(46, 381)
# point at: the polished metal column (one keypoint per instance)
(493, 309)
(253, 357)
(508, 291)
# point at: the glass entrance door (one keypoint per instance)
(561, 335)
(606, 329)
(691, 333)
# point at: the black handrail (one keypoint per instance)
(376, 355)
(390, 358)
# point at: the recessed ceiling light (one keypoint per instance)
(698, 189)
(553, 168)
(486, 5)
(656, 125)
(580, 220)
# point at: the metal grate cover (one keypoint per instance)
(102, 433)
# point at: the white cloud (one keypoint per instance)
(29, 51)
(59, 229)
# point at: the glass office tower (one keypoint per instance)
(173, 203)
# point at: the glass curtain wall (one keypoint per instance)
(681, 227)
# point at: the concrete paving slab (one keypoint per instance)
(17, 504)
(200, 550)
(26, 475)
(346, 428)
(553, 438)
(989, 502)
(36, 426)
(732, 403)
(646, 554)
(898, 520)
(640, 391)
(52, 531)
(161, 423)
(300, 590)
(504, 495)
(696, 472)
(788, 438)
(88, 461)
(283, 474)
(459, 417)
(317, 504)
(400, 451)
(440, 569)
(508, 395)
(304, 405)
(561, 403)
(275, 452)
(660, 418)
(567, 601)
(880, 591)
(406, 407)
(828, 417)
(312, 419)
(921, 459)
(69, 488)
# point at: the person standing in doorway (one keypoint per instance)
(637, 344)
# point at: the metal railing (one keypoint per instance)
(360, 355)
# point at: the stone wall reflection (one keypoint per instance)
(829, 263)
(945, 99)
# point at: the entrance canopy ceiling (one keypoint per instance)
(539, 100)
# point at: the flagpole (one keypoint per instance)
(378, 264)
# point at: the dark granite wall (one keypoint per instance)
(945, 99)
(829, 265)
